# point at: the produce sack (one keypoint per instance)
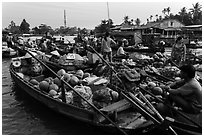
(84, 91)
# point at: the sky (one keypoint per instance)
(85, 14)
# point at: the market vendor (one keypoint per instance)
(55, 56)
(120, 52)
(178, 54)
(30, 66)
(187, 93)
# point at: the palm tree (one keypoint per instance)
(103, 21)
(196, 13)
(137, 21)
(164, 11)
(160, 17)
(196, 9)
(168, 10)
(182, 13)
(131, 21)
(156, 17)
(150, 17)
(126, 18)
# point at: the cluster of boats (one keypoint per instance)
(123, 97)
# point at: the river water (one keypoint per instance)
(22, 115)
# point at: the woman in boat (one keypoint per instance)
(120, 52)
(187, 93)
(106, 46)
(178, 54)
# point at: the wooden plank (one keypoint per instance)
(136, 123)
(118, 106)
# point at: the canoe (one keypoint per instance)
(56, 66)
(8, 52)
(128, 118)
(146, 50)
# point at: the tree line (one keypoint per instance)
(192, 16)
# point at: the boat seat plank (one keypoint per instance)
(137, 122)
(117, 107)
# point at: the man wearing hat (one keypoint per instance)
(55, 56)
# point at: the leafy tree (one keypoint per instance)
(36, 30)
(168, 10)
(104, 26)
(126, 19)
(150, 18)
(13, 28)
(182, 13)
(24, 27)
(196, 13)
(157, 17)
(43, 28)
(137, 21)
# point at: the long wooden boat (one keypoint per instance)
(56, 66)
(146, 50)
(128, 118)
(8, 52)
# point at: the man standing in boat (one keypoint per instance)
(106, 46)
(9, 40)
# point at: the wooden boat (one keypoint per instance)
(144, 49)
(128, 119)
(193, 46)
(8, 52)
(56, 66)
(129, 115)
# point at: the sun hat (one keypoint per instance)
(55, 53)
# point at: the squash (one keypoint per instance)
(49, 80)
(79, 74)
(34, 82)
(86, 75)
(57, 81)
(44, 85)
(74, 80)
(61, 72)
(53, 92)
(157, 91)
(151, 85)
(53, 87)
(67, 77)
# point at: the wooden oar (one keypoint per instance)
(132, 99)
(160, 100)
(94, 107)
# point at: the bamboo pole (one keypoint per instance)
(94, 107)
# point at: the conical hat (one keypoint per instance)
(55, 53)
(27, 55)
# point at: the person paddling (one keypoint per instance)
(187, 93)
